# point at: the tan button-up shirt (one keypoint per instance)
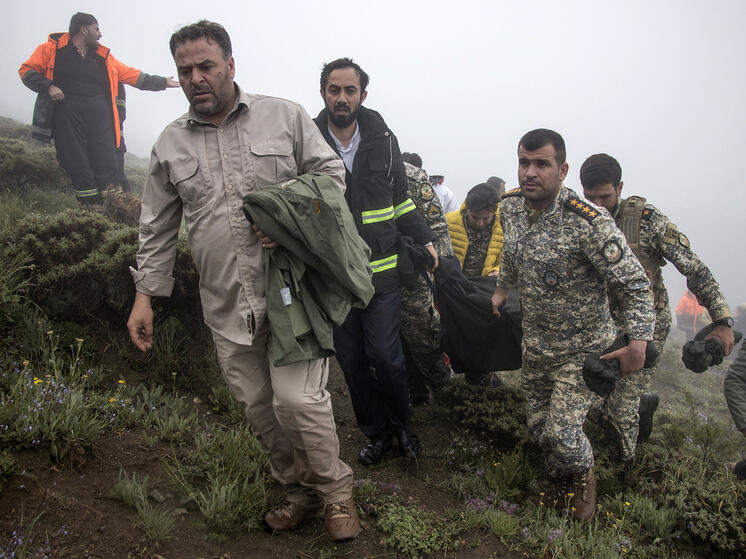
(202, 171)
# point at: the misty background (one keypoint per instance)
(658, 84)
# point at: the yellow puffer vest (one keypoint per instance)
(460, 240)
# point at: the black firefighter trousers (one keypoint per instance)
(83, 131)
(369, 352)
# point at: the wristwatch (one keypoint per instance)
(727, 321)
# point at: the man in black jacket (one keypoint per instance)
(367, 344)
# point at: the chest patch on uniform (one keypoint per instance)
(576, 205)
(426, 192)
(683, 240)
(612, 252)
(551, 279)
(433, 210)
(672, 235)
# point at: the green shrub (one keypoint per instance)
(495, 414)
(24, 165)
(81, 261)
(415, 531)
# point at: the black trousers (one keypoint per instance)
(83, 131)
(123, 182)
(370, 354)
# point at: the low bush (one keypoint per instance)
(414, 531)
(496, 415)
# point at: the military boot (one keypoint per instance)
(583, 501)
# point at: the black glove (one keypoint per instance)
(700, 354)
(601, 374)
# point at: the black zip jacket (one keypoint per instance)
(377, 196)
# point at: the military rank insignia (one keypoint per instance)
(612, 252)
(551, 279)
(433, 211)
(576, 205)
(683, 240)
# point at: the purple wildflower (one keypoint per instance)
(553, 535)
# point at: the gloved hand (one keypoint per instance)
(601, 375)
(700, 354)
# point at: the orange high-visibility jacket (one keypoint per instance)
(689, 309)
(37, 73)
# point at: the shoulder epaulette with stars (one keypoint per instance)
(576, 205)
(513, 192)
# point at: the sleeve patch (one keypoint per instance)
(433, 211)
(576, 205)
(426, 192)
(612, 252)
(648, 213)
(672, 235)
(683, 240)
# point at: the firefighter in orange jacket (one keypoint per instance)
(77, 79)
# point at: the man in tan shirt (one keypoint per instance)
(228, 144)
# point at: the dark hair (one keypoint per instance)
(600, 169)
(412, 159)
(209, 30)
(482, 197)
(339, 64)
(537, 139)
(79, 20)
(496, 182)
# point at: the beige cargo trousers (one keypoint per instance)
(290, 411)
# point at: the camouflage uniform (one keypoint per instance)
(561, 264)
(420, 322)
(479, 242)
(654, 239)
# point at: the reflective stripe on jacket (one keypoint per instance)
(378, 196)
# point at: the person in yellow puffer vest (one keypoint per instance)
(476, 233)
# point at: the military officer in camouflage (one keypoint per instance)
(653, 238)
(420, 321)
(562, 253)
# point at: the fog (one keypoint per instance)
(659, 85)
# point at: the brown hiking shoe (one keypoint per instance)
(341, 520)
(583, 501)
(287, 516)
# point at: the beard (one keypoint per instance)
(343, 120)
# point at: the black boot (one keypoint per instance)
(648, 404)
(372, 453)
(409, 443)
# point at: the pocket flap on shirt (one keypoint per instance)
(272, 147)
(182, 170)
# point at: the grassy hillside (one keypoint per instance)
(105, 452)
